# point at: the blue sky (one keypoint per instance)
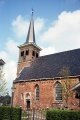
(57, 28)
(48, 9)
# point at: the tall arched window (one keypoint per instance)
(58, 91)
(37, 91)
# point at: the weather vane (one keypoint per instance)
(32, 11)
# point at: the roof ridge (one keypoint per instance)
(60, 52)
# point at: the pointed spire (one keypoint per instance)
(31, 34)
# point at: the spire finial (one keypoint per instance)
(31, 34)
(32, 11)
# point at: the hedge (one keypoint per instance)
(63, 115)
(10, 113)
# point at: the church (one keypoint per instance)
(45, 81)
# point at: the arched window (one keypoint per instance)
(37, 55)
(27, 52)
(58, 91)
(22, 53)
(37, 91)
(33, 53)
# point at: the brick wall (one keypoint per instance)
(26, 60)
(47, 94)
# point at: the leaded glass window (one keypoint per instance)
(37, 92)
(58, 91)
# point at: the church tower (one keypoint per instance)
(29, 50)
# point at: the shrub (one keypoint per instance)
(63, 115)
(10, 113)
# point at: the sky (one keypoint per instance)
(57, 28)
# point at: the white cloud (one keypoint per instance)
(21, 26)
(48, 50)
(9, 55)
(4, 55)
(39, 25)
(10, 73)
(64, 33)
(11, 48)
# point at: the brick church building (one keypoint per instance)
(45, 81)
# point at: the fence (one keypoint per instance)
(33, 114)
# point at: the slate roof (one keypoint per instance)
(2, 62)
(76, 87)
(49, 66)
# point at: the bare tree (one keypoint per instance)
(65, 73)
(3, 89)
